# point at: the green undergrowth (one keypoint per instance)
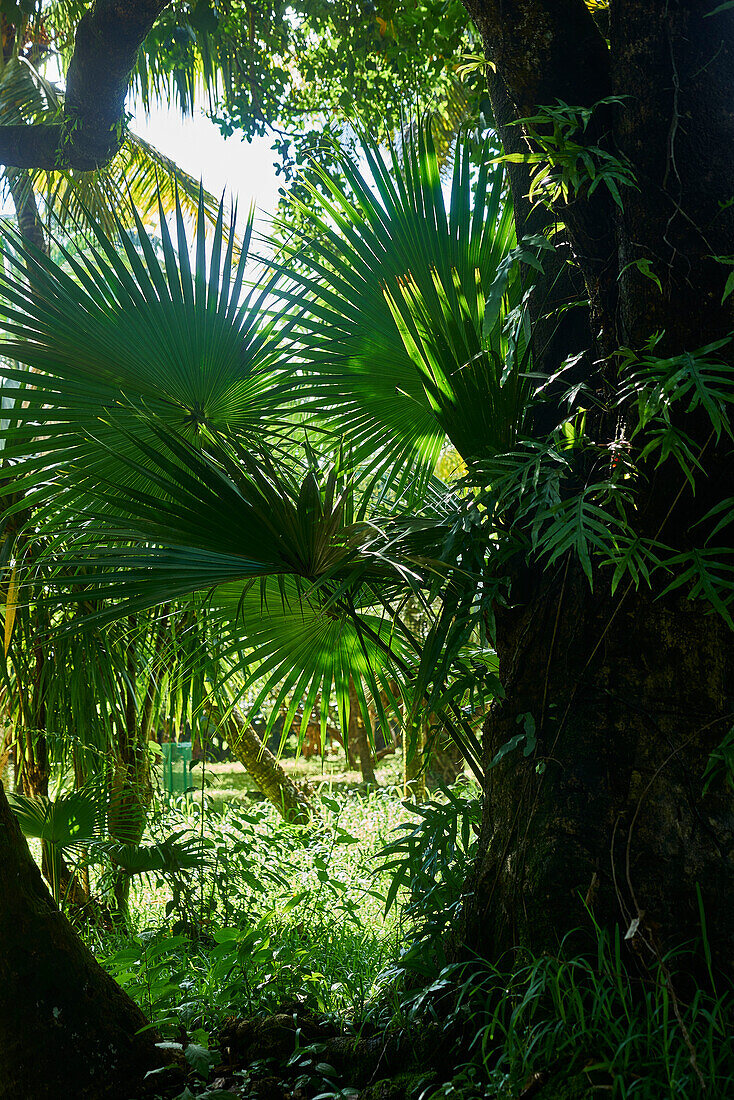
(272, 912)
(346, 921)
(557, 1027)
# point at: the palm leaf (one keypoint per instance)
(69, 820)
(114, 340)
(173, 855)
(148, 394)
(360, 248)
(284, 648)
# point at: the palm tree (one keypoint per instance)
(177, 441)
(201, 440)
(48, 204)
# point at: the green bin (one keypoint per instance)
(176, 767)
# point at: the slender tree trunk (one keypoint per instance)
(358, 739)
(267, 773)
(6, 749)
(26, 208)
(131, 786)
(35, 762)
(414, 771)
(66, 1029)
(445, 761)
(37, 768)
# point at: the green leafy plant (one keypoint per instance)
(587, 1022)
(396, 272)
(69, 821)
(427, 863)
(275, 912)
(564, 166)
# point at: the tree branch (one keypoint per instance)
(91, 129)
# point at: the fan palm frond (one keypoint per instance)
(72, 819)
(152, 429)
(173, 855)
(360, 249)
(118, 340)
(283, 647)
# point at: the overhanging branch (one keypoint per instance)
(30, 146)
(91, 129)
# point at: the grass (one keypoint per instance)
(585, 1026)
(230, 781)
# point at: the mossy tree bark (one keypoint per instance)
(269, 775)
(629, 697)
(357, 740)
(92, 125)
(629, 693)
(66, 1029)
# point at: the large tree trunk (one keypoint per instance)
(629, 695)
(66, 1029)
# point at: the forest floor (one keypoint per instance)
(330, 1046)
(230, 780)
(307, 963)
(264, 966)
